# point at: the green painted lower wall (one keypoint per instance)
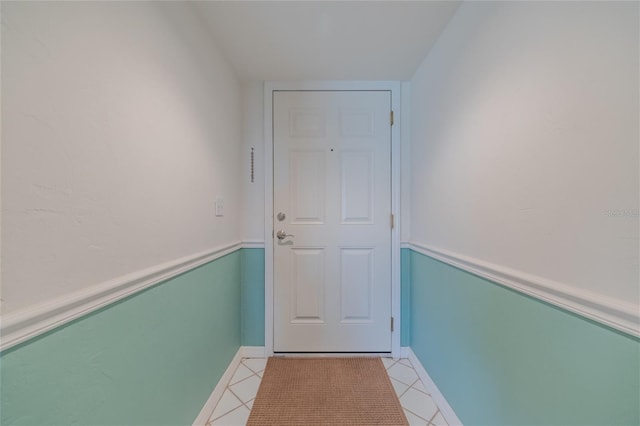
(152, 359)
(253, 297)
(405, 297)
(502, 358)
(499, 357)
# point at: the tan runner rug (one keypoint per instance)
(326, 391)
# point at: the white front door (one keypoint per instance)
(332, 199)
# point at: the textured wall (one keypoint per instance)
(524, 142)
(121, 126)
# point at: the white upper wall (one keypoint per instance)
(121, 125)
(525, 142)
(253, 193)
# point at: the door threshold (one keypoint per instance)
(333, 354)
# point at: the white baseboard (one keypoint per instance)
(215, 396)
(446, 410)
(404, 351)
(253, 352)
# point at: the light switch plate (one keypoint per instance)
(219, 207)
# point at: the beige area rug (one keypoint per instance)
(326, 391)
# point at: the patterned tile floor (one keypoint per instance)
(235, 405)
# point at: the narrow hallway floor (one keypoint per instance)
(235, 404)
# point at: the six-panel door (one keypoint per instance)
(332, 184)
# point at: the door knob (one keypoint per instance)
(282, 235)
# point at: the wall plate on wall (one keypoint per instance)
(219, 207)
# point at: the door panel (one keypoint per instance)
(307, 187)
(307, 297)
(332, 182)
(357, 187)
(356, 282)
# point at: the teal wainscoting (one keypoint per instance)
(405, 297)
(252, 297)
(502, 358)
(153, 358)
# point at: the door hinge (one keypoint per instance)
(393, 221)
(391, 118)
(392, 324)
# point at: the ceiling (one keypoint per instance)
(326, 40)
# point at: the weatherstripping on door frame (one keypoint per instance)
(392, 86)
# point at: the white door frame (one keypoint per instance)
(394, 88)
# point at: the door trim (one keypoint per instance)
(394, 87)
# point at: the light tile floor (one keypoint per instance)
(235, 405)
